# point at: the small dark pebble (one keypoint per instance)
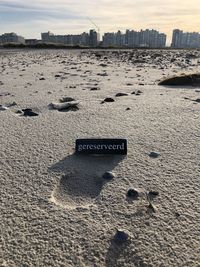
(121, 236)
(137, 92)
(108, 99)
(128, 109)
(197, 100)
(12, 104)
(121, 94)
(29, 112)
(108, 176)
(66, 99)
(57, 75)
(42, 79)
(18, 111)
(154, 155)
(133, 193)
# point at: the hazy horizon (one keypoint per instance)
(67, 16)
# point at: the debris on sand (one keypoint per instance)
(121, 236)
(108, 99)
(188, 80)
(2, 108)
(66, 99)
(133, 193)
(29, 112)
(154, 154)
(121, 94)
(65, 106)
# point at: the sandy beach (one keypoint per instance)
(56, 209)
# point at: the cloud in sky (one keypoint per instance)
(68, 16)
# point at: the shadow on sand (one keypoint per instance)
(82, 179)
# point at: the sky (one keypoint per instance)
(30, 18)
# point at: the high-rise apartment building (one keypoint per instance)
(11, 38)
(144, 38)
(182, 39)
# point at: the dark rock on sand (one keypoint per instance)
(108, 175)
(154, 155)
(66, 99)
(42, 79)
(65, 106)
(121, 94)
(137, 92)
(108, 99)
(2, 108)
(94, 88)
(189, 80)
(121, 236)
(29, 112)
(132, 193)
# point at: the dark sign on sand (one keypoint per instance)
(101, 146)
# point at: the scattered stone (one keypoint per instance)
(121, 236)
(154, 155)
(103, 65)
(42, 79)
(66, 106)
(137, 92)
(18, 111)
(189, 80)
(57, 75)
(133, 193)
(129, 84)
(108, 99)
(108, 176)
(29, 112)
(66, 99)
(2, 108)
(128, 108)
(121, 94)
(94, 88)
(102, 74)
(197, 100)
(12, 104)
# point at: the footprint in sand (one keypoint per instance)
(82, 181)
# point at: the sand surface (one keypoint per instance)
(56, 210)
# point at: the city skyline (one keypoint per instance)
(29, 19)
(149, 38)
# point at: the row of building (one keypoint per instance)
(147, 38)
(90, 39)
(144, 38)
(182, 39)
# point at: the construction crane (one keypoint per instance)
(98, 29)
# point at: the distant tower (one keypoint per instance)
(177, 38)
(93, 38)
